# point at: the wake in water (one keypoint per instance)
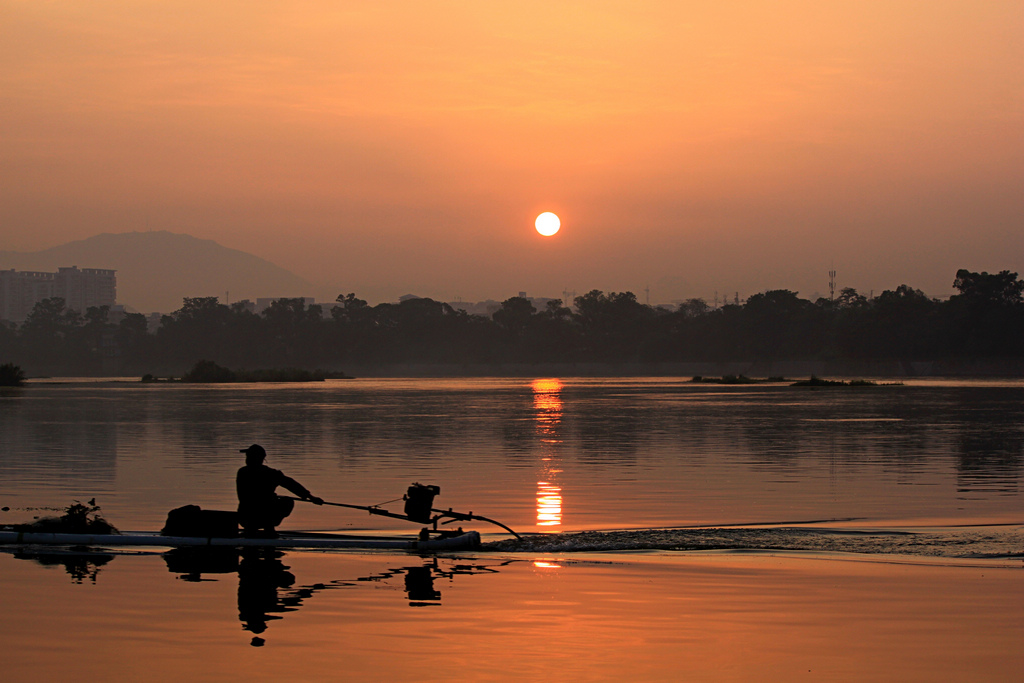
(962, 542)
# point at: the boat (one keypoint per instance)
(468, 540)
(191, 526)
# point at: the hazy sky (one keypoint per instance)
(392, 147)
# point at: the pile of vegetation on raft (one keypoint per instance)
(208, 372)
(734, 379)
(78, 518)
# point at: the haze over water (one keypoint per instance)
(547, 455)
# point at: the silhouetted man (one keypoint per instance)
(260, 509)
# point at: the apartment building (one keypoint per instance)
(81, 288)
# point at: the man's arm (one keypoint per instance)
(299, 490)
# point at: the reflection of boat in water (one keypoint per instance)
(456, 541)
(267, 588)
(81, 565)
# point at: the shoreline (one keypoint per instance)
(753, 369)
(791, 370)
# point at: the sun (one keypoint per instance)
(547, 224)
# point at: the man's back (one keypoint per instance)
(259, 506)
(256, 483)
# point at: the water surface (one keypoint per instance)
(541, 455)
(875, 533)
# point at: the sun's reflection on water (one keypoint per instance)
(549, 504)
(547, 403)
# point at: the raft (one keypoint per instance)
(468, 540)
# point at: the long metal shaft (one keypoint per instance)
(369, 508)
(441, 514)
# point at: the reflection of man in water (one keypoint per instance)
(260, 509)
(260, 574)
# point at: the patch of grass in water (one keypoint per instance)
(734, 379)
(818, 382)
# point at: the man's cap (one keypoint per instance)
(255, 449)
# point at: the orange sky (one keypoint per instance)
(394, 147)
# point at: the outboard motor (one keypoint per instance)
(419, 500)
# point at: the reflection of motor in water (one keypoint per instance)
(419, 585)
(266, 587)
(419, 580)
(547, 403)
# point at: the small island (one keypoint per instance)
(813, 381)
(736, 379)
(817, 382)
(209, 372)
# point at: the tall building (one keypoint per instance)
(80, 289)
(87, 287)
(19, 292)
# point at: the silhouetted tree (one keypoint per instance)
(985, 318)
(515, 314)
(612, 326)
(520, 338)
(988, 313)
(350, 309)
(10, 341)
(198, 329)
(135, 344)
(48, 335)
(779, 324)
(849, 298)
(96, 326)
(553, 335)
(982, 289)
(294, 333)
(899, 324)
(11, 375)
(694, 308)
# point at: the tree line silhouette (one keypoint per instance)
(983, 320)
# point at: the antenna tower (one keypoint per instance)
(832, 286)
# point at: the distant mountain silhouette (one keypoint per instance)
(155, 270)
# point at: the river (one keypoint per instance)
(674, 528)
